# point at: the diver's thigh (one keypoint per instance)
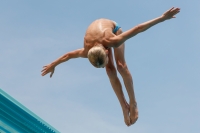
(110, 58)
(119, 54)
(119, 51)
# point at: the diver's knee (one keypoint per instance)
(122, 67)
(111, 71)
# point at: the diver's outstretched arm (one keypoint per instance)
(70, 55)
(73, 54)
(146, 25)
(120, 39)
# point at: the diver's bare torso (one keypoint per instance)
(97, 32)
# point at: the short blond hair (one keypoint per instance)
(97, 56)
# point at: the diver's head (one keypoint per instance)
(98, 56)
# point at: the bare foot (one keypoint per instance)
(127, 119)
(133, 113)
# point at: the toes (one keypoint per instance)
(133, 120)
(127, 121)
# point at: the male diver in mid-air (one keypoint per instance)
(101, 37)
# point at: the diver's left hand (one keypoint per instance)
(170, 13)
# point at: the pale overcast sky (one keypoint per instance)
(164, 62)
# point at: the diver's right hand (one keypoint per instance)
(48, 69)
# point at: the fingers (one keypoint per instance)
(176, 11)
(44, 73)
(171, 9)
(171, 13)
(51, 74)
(44, 68)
